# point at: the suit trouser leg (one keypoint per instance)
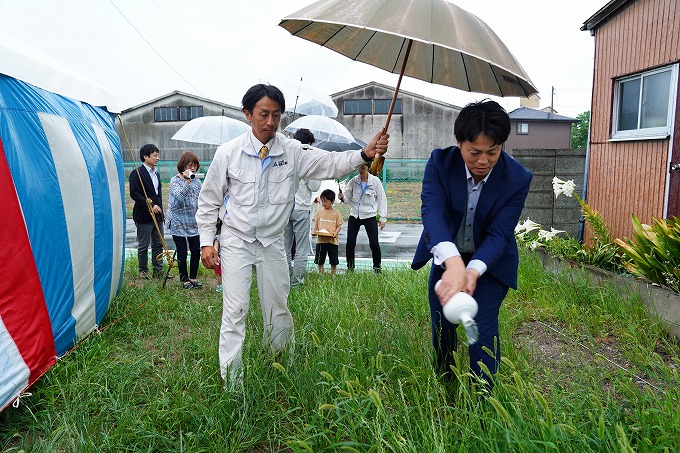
(143, 241)
(489, 295)
(157, 247)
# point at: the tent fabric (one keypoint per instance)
(25, 63)
(62, 239)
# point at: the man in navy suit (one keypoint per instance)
(472, 198)
(148, 187)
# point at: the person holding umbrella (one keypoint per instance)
(260, 171)
(366, 196)
(472, 197)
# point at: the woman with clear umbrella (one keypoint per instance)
(181, 218)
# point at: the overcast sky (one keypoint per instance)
(143, 49)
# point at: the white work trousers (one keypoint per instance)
(238, 258)
(299, 227)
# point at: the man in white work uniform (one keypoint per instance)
(260, 172)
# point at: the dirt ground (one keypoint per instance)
(547, 345)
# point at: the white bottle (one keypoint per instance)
(461, 309)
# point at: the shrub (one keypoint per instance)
(654, 252)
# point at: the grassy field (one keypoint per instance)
(403, 201)
(583, 371)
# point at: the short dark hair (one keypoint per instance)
(257, 92)
(485, 117)
(304, 136)
(187, 158)
(147, 150)
(327, 194)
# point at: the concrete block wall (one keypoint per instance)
(542, 207)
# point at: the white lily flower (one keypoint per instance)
(534, 245)
(525, 227)
(563, 187)
(548, 235)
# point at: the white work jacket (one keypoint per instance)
(260, 193)
(367, 203)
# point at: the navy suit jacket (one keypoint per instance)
(140, 211)
(444, 200)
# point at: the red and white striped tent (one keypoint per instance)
(63, 220)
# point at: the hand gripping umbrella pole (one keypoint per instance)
(149, 205)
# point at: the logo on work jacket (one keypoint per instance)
(280, 163)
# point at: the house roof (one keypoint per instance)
(527, 114)
(387, 87)
(603, 14)
(181, 93)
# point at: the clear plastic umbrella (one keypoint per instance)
(301, 100)
(213, 130)
(323, 128)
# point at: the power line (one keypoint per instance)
(154, 49)
(191, 45)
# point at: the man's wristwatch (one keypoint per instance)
(365, 157)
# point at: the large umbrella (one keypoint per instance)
(430, 40)
(323, 128)
(213, 130)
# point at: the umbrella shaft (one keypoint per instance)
(396, 91)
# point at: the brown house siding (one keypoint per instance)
(630, 176)
(624, 179)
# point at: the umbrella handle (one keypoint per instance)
(379, 160)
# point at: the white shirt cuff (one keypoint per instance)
(443, 251)
(478, 265)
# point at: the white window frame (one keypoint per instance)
(651, 133)
(521, 130)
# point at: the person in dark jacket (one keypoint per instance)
(145, 184)
(472, 198)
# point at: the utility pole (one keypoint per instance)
(552, 96)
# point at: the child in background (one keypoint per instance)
(327, 220)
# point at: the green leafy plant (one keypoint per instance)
(654, 251)
(602, 251)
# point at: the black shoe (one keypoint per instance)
(377, 270)
(158, 274)
(196, 284)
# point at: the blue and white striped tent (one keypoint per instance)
(63, 220)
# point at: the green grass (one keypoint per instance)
(360, 377)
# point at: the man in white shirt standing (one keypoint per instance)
(260, 171)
